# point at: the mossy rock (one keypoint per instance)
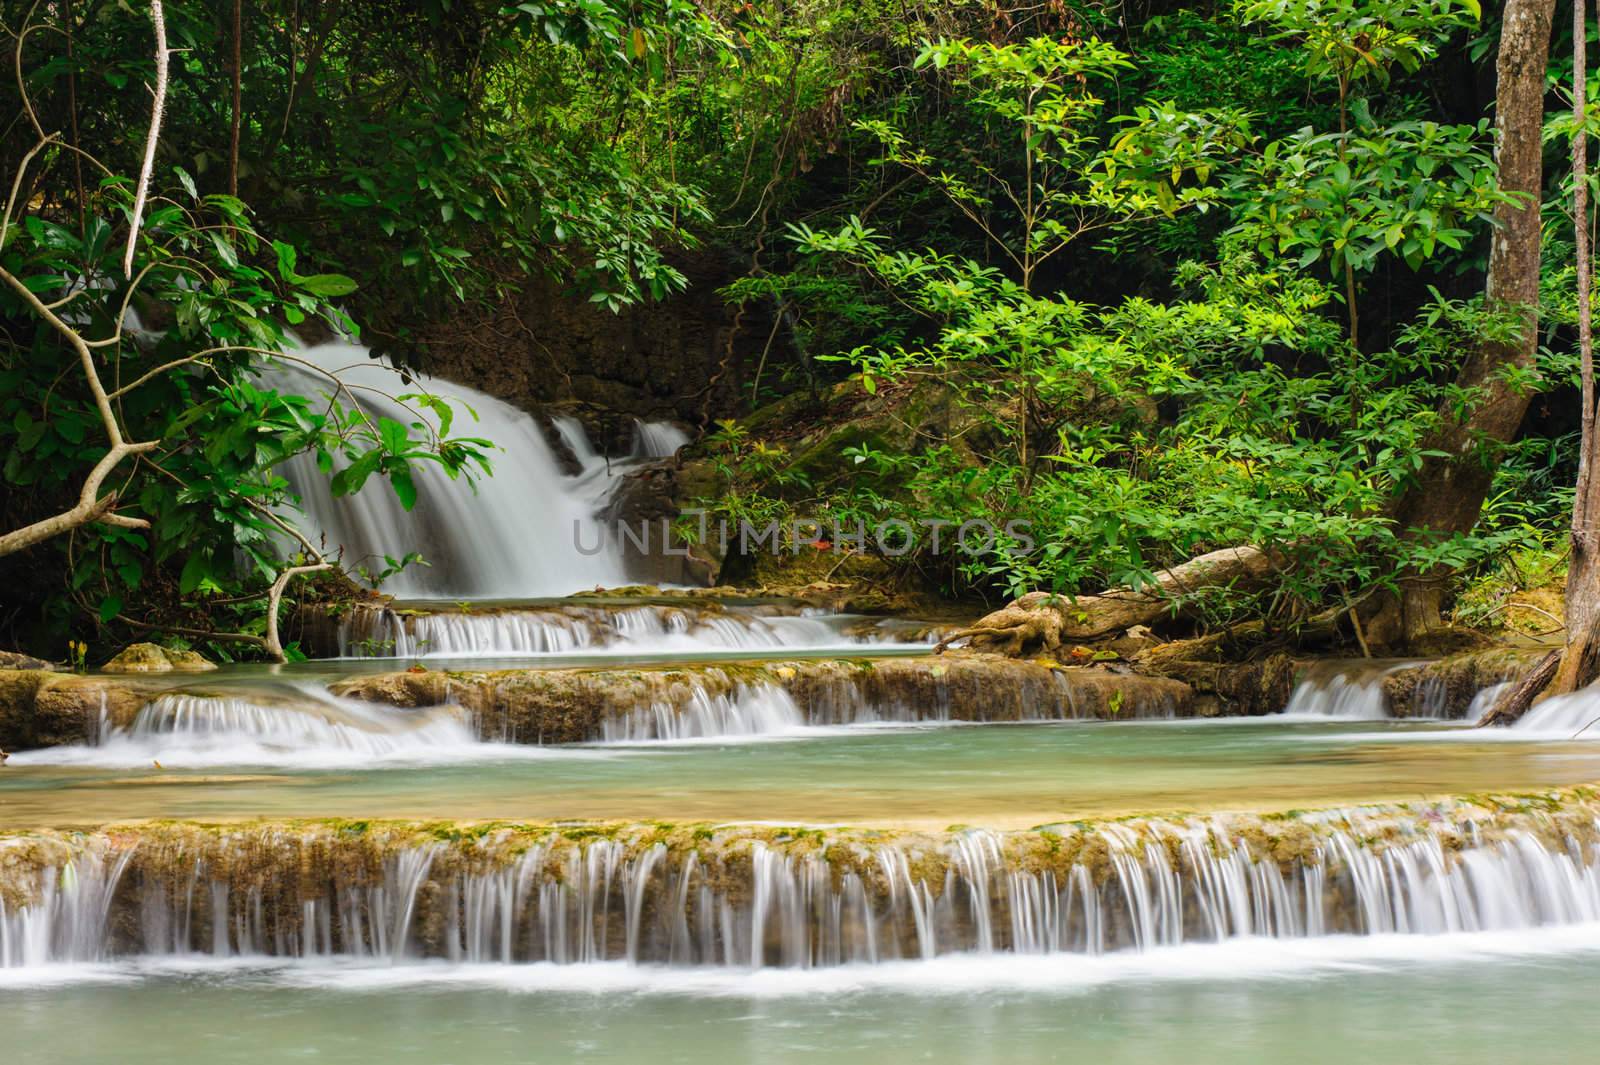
(153, 658)
(1447, 687)
(43, 709)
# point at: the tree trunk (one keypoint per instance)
(1578, 663)
(1040, 621)
(1450, 491)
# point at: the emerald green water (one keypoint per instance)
(1458, 1001)
(995, 776)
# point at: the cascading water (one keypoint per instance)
(748, 710)
(302, 726)
(1572, 716)
(1348, 690)
(745, 898)
(384, 632)
(657, 440)
(514, 534)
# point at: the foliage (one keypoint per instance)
(218, 294)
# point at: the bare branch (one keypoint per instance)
(158, 17)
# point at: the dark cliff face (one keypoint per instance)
(685, 359)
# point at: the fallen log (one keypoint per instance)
(1043, 621)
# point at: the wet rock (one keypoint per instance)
(1446, 688)
(1230, 675)
(752, 894)
(17, 660)
(43, 709)
(567, 706)
(153, 658)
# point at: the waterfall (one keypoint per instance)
(748, 710)
(514, 534)
(302, 727)
(1574, 715)
(756, 897)
(1349, 690)
(383, 632)
(657, 440)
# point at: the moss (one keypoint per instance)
(152, 658)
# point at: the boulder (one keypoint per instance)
(153, 658)
(43, 709)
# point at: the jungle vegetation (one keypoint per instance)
(1297, 274)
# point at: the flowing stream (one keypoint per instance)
(676, 827)
(513, 534)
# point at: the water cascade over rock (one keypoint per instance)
(387, 631)
(1448, 689)
(516, 534)
(300, 725)
(755, 897)
(585, 705)
(1344, 689)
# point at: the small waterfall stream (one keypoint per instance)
(516, 534)
(1344, 689)
(754, 898)
(402, 632)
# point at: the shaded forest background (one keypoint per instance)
(1155, 278)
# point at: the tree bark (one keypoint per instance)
(1041, 621)
(1450, 491)
(1578, 663)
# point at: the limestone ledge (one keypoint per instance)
(572, 705)
(286, 861)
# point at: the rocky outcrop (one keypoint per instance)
(568, 706)
(1447, 688)
(43, 709)
(1233, 673)
(153, 658)
(682, 357)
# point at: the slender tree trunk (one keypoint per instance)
(1449, 492)
(1579, 661)
(233, 145)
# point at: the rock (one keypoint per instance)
(1229, 672)
(43, 709)
(17, 660)
(1447, 687)
(579, 705)
(152, 658)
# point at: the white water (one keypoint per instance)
(605, 901)
(1346, 690)
(302, 728)
(657, 440)
(1573, 716)
(749, 710)
(644, 629)
(514, 534)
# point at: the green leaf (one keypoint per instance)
(195, 569)
(328, 286)
(396, 439)
(110, 607)
(404, 487)
(287, 256)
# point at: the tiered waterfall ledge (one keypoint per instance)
(581, 705)
(753, 896)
